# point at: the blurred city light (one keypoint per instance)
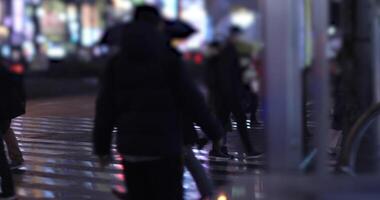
(17, 69)
(243, 18)
(4, 32)
(56, 51)
(169, 9)
(332, 30)
(123, 4)
(222, 197)
(195, 13)
(67, 27)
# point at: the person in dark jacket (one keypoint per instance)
(12, 105)
(16, 68)
(212, 63)
(144, 91)
(229, 91)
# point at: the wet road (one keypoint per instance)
(55, 137)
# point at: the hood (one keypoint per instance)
(141, 42)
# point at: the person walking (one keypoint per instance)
(229, 91)
(144, 90)
(12, 105)
(212, 63)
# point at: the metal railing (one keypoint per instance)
(348, 156)
(347, 159)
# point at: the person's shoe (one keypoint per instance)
(224, 150)
(15, 164)
(253, 155)
(218, 154)
(8, 197)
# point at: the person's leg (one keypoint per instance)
(135, 180)
(223, 114)
(254, 107)
(166, 175)
(5, 172)
(14, 151)
(241, 120)
(198, 173)
(155, 180)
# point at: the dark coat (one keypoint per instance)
(12, 100)
(145, 89)
(228, 75)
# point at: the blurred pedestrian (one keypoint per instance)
(14, 152)
(12, 104)
(144, 91)
(212, 62)
(230, 90)
(335, 136)
(179, 30)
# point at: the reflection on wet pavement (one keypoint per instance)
(59, 164)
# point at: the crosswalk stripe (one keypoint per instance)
(59, 162)
(52, 127)
(51, 141)
(69, 173)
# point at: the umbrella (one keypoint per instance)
(178, 29)
(175, 29)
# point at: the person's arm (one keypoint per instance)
(194, 104)
(105, 116)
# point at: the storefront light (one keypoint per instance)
(18, 16)
(170, 8)
(62, 17)
(8, 21)
(71, 13)
(41, 39)
(4, 32)
(36, 2)
(243, 18)
(123, 4)
(40, 12)
(56, 51)
(332, 30)
(194, 13)
(30, 50)
(74, 26)
(6, 51)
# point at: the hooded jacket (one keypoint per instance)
(12, 100)
(144, 91)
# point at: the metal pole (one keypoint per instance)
(282, 86)
(376, 50)
(320, 74)
(376, 59)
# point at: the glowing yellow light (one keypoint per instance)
(123, 4)
(243, 17)
(4, 31)
(222, 197)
